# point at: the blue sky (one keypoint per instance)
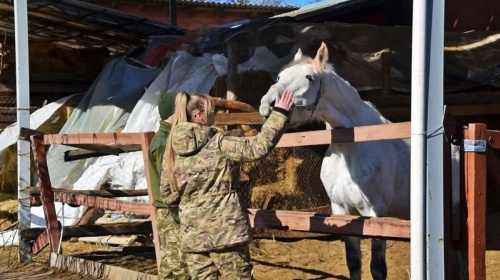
(298, 3)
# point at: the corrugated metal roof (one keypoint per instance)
(227, 5)
(77, 24)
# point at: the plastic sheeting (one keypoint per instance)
(104, 108)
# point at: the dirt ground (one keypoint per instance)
(281, 258)
(272, 259)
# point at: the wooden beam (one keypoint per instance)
(46, 194)
(404, 100)
(384, 228)
(96, 269)
(96, 150)
(35, 191)
(238, 118)
(127, 228)
(386, 73)
(346, 135)
(98, 202)
(96, 144)
(92, 138)
(475, 188)
(145, 141)
(40, 243)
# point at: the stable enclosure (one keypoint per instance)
(291, 201)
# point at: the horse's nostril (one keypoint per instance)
(272, 104)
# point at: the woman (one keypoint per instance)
(203, 168)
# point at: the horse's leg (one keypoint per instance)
(378, 266)
(353, 256)
(352, 248)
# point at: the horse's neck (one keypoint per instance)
(341, 105)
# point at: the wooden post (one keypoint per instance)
(475, 188)
(145, 141)
(232, 70)
(46, 193)
(386, 73)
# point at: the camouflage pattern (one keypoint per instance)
(173, 264)
(232, 263)
(212, 214)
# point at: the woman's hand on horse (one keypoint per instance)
(285, 101)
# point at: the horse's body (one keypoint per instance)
(367, 178)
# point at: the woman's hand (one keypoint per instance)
(285, 101)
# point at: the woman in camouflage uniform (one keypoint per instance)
(203, 168)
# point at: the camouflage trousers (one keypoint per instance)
(173, 264)
(229, 264)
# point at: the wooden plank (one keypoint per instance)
(101, 148)
(40, 243)
(122, 241)
(98, 202)
(238, 118)
(232, 70)
(346, 135)
(475, 188)
(145, 141)
(124, 228)
(46, 194)
(35, 191)
(386, 73)
(404, 100)
(96, 269)
(384, 228)
(92, 138)
(493, 137)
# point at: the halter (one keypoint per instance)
(312, 107)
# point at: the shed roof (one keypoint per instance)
(76, 24)
(228, 5)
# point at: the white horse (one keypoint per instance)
(367, 178)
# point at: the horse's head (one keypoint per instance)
(303, 78)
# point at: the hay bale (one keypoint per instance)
(8, 157)
(290, 176)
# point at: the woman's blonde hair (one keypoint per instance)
(185, 106)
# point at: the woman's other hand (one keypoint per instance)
(285, 101)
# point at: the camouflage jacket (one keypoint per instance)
(211, 211)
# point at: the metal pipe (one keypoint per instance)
(23, 120)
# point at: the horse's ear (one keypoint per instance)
(298, 55)
(321, 57)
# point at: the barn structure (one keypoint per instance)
(472, 94)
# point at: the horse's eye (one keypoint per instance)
(278, 78)
(309, 77)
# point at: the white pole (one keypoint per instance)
(23, 120)
(427, 248)
(417, 177)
